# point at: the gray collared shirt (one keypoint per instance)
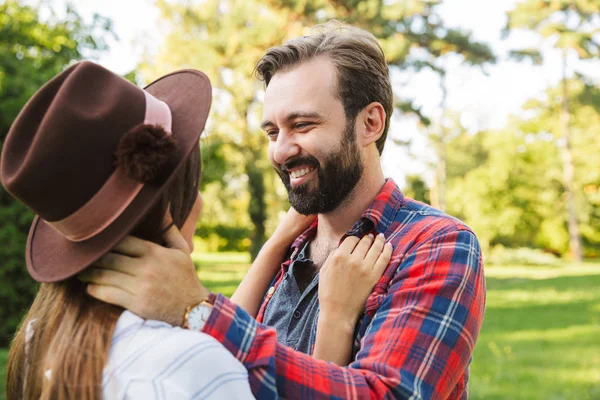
(293, 313)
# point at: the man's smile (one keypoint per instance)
(300, 174)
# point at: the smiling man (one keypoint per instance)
(313, 146)
(327, 110)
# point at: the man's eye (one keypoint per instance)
(301, 125)
(272, 134)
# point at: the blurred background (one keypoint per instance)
(497, 123)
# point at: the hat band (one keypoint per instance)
(116, 194)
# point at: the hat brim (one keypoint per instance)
(51, 257)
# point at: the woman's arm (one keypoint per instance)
(345, 282)
(251, 290)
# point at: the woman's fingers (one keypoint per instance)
(348, 244)
(363, 246)
(383, 260)
(375, 250)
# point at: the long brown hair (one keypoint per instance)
(73, 331)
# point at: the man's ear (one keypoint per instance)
(373, 118)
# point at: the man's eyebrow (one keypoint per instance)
(308, 114)
(292, 116)
(265, 124)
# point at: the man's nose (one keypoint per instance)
(285, 147)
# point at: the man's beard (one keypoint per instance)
(337, 178)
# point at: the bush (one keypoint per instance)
(501, 255)
(223, 238)
(18, 288)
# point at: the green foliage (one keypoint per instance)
(571, 24)
(572, 27)
(31, 52)
(223, 238)
(500, 255)
(508, 186)
(416, 189)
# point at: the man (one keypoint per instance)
(327, 109)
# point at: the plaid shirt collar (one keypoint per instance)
(377, 217)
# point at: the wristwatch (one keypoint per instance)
(196, 316)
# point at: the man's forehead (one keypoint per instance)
(304, 88)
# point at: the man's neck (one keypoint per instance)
(333, 225)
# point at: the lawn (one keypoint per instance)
(541, 334)
(540, 338)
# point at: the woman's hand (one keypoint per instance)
(349, 275)
(345, 282)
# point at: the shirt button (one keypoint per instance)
(271, 291)
(297, 314)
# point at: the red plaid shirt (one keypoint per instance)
(420, 326)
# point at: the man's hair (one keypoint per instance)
(362, 71)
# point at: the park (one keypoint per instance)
(496, 122)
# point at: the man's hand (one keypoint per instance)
(150, 280)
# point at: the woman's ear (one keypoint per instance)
(374, 123)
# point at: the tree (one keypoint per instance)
(225, 38)
(508, 185)
(572, 27)
(544, 114)
(31, 52)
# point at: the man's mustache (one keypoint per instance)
(310, 161)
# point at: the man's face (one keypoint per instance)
(311, 144)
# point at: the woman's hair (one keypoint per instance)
(67, 353)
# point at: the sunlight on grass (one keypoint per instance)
(570, 333)
(221, 258)
(530, 272)
(516, 298)
(221, 272)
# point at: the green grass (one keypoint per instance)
(221, 273)
(541, 334)
(540, 338)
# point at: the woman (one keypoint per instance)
(97, 158)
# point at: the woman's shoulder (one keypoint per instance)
(154, 358)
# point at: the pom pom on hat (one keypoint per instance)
(144, 151)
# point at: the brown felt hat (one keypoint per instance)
(90, 154)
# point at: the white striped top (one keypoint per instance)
(153, 360)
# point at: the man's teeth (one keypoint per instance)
(300, 172)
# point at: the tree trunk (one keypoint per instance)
(257, 208)
(440, 171)
(569, 170)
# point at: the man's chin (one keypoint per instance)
(303, 189)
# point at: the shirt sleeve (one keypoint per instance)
(418, 345)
